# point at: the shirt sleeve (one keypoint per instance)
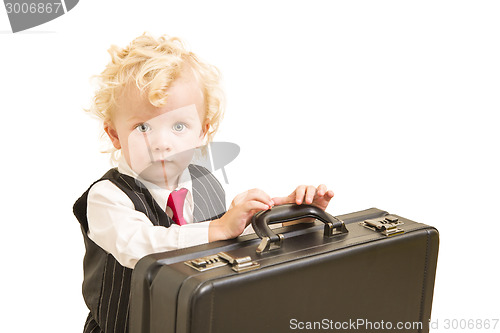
(128, 234)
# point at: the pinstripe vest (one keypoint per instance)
(106, 284)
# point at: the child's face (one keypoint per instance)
(159, 143)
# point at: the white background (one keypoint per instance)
(392, 104)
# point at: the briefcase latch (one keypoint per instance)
(387, 225)
(206, 263)
(239, 264)
(266, 244)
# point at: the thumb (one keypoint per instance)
(281, 200)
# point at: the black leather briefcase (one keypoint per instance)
(360, 272)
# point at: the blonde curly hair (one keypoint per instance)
(153, 64)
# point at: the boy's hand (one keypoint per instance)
(239, 215)
(319, 197)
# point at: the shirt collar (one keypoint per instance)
(160, 194)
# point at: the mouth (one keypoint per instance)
(163, 161)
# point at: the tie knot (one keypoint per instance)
(176, 204)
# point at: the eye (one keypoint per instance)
(179, 127)
(144, 127)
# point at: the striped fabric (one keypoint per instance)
(106, 285)
(208, 195)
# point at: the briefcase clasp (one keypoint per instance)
(206, 263)
(387, 225)
(266, 244)
(239, 264)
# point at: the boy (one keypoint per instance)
(158, 103)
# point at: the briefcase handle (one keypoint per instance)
(291, 212)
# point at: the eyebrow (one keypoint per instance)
(187, 117)
(141, 118)
(184, 116)
(138, 118)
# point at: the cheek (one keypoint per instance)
(139, 151)
(193, 141)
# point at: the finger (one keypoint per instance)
(238, 199)
(321, 190)
(281, 200)
(299, 194)
(255, 205)
(329, 194)
(325, 199)
(259, 195)
(310, 193)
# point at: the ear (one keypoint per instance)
(204, 129)
(113, 135)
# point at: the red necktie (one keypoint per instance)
(176, 203)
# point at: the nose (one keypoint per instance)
(161, 142)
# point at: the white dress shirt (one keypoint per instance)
(128, 234)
